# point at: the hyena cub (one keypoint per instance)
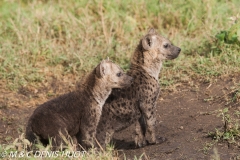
(77, 113)
(136, 103)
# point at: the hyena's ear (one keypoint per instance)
(101, 69)
(152, 31)
(147, 42)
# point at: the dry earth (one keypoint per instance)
(185, 116)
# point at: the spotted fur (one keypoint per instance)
(137, 103)
(76, 114)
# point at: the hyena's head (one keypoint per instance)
(112, 75)
(154, 48)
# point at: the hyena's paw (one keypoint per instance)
(140, 141)
(157, 140)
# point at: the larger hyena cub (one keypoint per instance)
(77, 113)
(137, 102)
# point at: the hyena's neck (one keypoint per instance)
(95, 88)
(151, 69)
(145, 64)
(101, 92)
(154, 69)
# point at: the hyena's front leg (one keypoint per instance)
(148, 122)
(150, 119)
(140, 133)
(87, 135)
(104, 132)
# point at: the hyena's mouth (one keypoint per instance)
(175, 53)
(127, 83)
(173, 56)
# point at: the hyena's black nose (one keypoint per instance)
(179, 50)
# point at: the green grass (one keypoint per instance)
(229, 132)
(41, 39)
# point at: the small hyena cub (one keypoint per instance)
(77, 113)
(136, 104)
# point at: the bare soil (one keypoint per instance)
(185, 116)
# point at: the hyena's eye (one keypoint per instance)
(165, 45)
(119, 74)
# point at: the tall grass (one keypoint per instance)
(44, 38)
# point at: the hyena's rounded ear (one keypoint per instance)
(101, 69)
(151, 31)
(147, 42)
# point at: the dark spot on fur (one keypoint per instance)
(148, 117)
(91, 132)
(124, 104)
(90, 125)
(104, 122)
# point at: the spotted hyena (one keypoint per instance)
(76, 114)
(136, 103)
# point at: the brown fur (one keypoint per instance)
(77, 113)
(136, 103)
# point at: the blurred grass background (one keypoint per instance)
(53, 38)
